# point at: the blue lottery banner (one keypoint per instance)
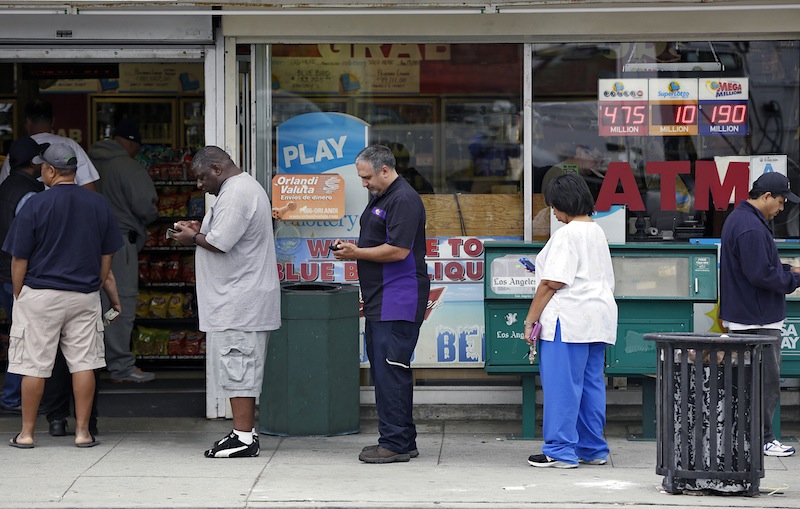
(319, 143)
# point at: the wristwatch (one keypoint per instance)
(194, 238)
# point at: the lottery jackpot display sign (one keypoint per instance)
(672, 106)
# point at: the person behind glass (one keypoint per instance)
(574, 304)
(132, 196)
(238, 290)
(59, 276)
(587, 161)
(21, 184)
(408, 172)
(753, 283)
(395, 286)
(39, 126)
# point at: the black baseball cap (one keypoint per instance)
(128, 128)
(775, 183)
(58, 155)
(23, 150)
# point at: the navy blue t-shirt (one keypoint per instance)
(63, 233)
(397, 290)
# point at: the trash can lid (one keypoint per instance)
(311, 287)
(708, 337)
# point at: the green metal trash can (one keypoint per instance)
(311, 374)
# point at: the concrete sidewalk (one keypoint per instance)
(158, 463)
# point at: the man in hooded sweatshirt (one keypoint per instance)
(129, 190)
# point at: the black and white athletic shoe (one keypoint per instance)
(541, 460)
(231, 447)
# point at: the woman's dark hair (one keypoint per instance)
(569, 194)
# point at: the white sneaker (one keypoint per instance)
(776, 448)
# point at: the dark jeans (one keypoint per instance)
(12, 387)
(390, 346)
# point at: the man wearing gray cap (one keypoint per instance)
(132, 196)
(61, 243)
(753, 283)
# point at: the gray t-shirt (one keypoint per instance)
(238, 288)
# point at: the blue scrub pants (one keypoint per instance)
(12, 387)
(390, 346)
(574, 399)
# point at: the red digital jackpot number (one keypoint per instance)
(623, 114)
(675, 114)
(622, 118)
(723, 114)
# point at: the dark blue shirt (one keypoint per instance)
(397, 290)
(63, 233)
(753, 282)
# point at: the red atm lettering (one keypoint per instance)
(620, 175)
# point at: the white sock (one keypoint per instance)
(245, 437)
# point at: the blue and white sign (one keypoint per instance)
(323, 143)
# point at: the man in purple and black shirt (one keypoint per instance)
(395, 287)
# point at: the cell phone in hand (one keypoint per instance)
(170, 233)
(528, 264)
(334, 247)
(109, 316)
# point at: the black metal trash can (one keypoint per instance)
(709, 412)
(311, 376)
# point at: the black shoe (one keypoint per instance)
(413, 453)
(58, 428)
(540, 460)
(231, 447)
(381, 454)
(15, 410)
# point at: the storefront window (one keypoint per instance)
(633, 117)
(450, 113)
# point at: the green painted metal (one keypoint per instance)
(311, 377)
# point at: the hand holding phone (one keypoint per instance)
(170, 232)
(334, 247)
(528, 264)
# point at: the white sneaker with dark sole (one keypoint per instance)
(541, 460)
(231, 447)
(776, 448)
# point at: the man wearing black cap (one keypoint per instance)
(59, 276)
(132, 196)
(754, 284)
(21, 184)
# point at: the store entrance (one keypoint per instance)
(166, 98)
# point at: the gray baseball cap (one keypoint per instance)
(58, 155)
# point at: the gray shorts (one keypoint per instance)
(236, 360)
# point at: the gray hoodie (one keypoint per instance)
(127, 187)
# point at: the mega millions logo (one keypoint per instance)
(724, 88)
